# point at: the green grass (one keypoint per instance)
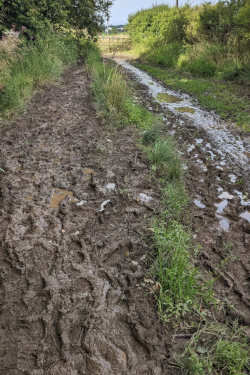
(225, 98)
(216, 349)
(34, 64)
(112, 95)
(164, 157)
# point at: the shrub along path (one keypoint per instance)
(72, 254)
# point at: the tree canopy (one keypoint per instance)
(35, 14)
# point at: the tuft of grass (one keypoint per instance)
(164, 157)
(180, 292)
(113, 96)
(216, 349)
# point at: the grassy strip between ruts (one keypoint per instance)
(182, 290)
(225, 98)
(29, 66)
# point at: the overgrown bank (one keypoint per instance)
(27, 65)
(203, 50)
(180, 290)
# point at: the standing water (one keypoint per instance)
(229, 145)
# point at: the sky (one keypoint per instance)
(122, 8)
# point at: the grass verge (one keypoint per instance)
(182, 292)
(227, 99)
(30, 66)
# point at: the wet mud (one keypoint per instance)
(75, 202)
(220, 195)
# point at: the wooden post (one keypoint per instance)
(177, 3)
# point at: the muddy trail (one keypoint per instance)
(73, 215)
(216, 164)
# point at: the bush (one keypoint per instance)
(165, 56)
(200, 66)
(207, 40)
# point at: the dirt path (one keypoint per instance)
(219, 189)
(72, 219)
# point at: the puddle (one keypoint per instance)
(198, 141)
(81, 203)
(185, 109)
(212, 155)
(225, 195)
(224, 223)
(198, 203)
(145, 198)
(110, 186)
(58, 196)
(220, 206)
(245, 215)
(243, 200)
(226, 144)
(162, 97)
(190, 148)
(104, 204)
(232, 178)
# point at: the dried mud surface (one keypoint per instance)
(72, 223)
(222, 238)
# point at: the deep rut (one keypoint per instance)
(73, 215)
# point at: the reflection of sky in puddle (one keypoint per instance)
(245, 215)
(220, 206)
(232, 178)
(199, 141)
(190, 148)
(243, 200)
(224, 223)
(198, 203)
(225, 195)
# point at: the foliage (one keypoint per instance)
(210, 40)
(37, 15)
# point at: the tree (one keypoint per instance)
(35, 14)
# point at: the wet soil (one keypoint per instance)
(73, 254)
(219, 210)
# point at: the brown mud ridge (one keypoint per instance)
(219, 212)
(73, 215)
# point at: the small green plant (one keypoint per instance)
(216, 349)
